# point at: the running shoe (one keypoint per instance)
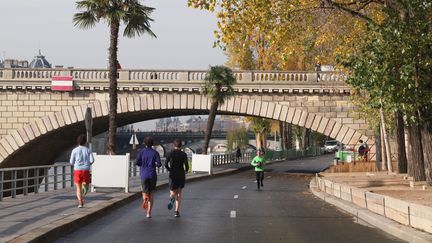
(148, 215)
(177, 214)
(80, 206)
(171, 203)
(144, 204)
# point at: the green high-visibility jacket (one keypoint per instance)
(258, 162)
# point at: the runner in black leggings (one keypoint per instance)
(177, 164)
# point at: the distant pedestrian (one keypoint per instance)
(178, 165)
(363, 150)
(148, 159)
(318, 70)
(258, 162)
(81, 158)
(238, 154)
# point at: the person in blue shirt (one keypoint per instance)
(81, 158)
(148, 159)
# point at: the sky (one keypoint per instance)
(184, 36)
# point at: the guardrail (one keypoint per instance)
(222, 159)
(293, 153)
(34, 179)
(272, 155)
(24, 180)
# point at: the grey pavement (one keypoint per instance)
(39, 216)
(231, 209)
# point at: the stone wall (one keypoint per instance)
(18, 108)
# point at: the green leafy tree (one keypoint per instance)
(218, 88)
(238, 138)
(135, 17)
(394, 69)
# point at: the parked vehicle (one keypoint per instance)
(331, 146)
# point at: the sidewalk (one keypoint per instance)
(40, 217)
(392, 203)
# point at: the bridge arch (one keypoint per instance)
(57, 131)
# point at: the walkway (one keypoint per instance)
(230, 209)
(29, 217)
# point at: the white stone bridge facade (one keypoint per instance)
(38, 124)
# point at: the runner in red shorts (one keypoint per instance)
(81, 158)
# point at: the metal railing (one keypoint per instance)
(33, 179)
(293, 153)
(229, 158)
(272, 155)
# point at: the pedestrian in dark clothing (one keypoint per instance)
(363, 150)
(318, 70)
(178, 165)
(148, 159)
(238, 154)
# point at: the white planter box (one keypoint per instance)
(202, 163)
(110, 171)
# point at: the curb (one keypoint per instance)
(389, 226)
(53, 230)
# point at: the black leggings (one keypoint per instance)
(259, 178)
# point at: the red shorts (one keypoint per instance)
(81, 176)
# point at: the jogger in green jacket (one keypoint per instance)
(258, 162)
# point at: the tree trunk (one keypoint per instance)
(408, 151)
(386, 140)
(383, 151)
(282, 137)
(400, 143)
(112, 126)
(264, 140)
(426, 138)
(210, 124)
(258, 140)
(288, 140)
(416, 153)
(378, 160)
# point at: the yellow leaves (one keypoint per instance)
(281, 34)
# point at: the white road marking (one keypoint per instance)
(244, 187)
(233, 214)
(235, 196)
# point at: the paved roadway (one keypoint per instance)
(231, 209)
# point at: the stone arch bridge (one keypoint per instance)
(38, 124)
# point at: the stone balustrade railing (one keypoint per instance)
(24, 74)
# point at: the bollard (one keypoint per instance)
(411, 183)
(335, 161)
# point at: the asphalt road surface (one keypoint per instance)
(231, 209)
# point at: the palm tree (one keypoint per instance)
(114, 12)
(218, 88)
(260, 126)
